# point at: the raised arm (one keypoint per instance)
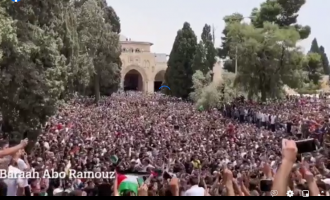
(289, 153)
(12, 150)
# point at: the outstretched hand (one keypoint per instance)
(228, 176)
(289, 150)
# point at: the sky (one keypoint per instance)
(158, 21)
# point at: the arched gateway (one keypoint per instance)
(134, 78)
(159, 79)
(142, 70)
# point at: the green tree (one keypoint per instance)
(7, 36)
(110, 15)
(325, 61)
(102, 47)
(61, 20)
(313, 65)
(270, 55)
(51, 49)
(206, 94)
(211, 53)
(178, 75)
(200, 62)
(223, 51)
(111, 71)
(200, 81)
(213, 94)
(314, 47)
(284, 13)
(79, 65)
(33, 71)
(205, 56)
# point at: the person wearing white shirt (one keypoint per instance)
(15, 186)
(194, 190)
(23, 165)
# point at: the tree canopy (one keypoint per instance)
(270, 55)
(325, 61)
(50, 50)
(178, 75)
(315, 48)
(205, 55)
(283, 13)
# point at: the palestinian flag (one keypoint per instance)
(129, 182)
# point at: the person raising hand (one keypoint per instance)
(12, 150)
(289, 156)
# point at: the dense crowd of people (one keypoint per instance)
(243, 149)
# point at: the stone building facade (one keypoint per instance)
(143, 69)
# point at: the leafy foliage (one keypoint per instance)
(325, 61)
(313, 66)
(33, 72)
(102, 47)
(210, 94)
(200, 81)
(200, 62)
(315, 48)
(223, 52)
(178, 75)
(283, 13)
(50, 50)
(270, 55)
(210, 51)
(205, 55)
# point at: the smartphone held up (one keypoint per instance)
(306, 146)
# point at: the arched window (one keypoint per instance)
(124, 49)
(131, 50)
(137, 50)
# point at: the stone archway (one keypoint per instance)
(134, 78)
(159, 79)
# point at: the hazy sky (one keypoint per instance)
(158, 21)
